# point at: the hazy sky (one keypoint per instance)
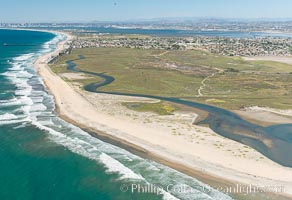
(111, 10)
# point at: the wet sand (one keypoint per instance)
(203, 160)
(264, 117)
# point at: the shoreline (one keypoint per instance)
(264, 116)
(216, 182)
(64, 108)
(144, 153)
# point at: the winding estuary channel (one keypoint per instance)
(44, 157)
(275, 142)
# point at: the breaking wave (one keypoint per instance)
(35, 106)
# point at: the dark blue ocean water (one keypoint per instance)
(43, 157)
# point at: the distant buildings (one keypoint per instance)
(216, 45)
(258, 46)
(140, 43)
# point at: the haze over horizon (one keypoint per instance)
(127, 10)
(146, 99)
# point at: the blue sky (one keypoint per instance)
(111, 10)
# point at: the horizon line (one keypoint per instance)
(274, 19)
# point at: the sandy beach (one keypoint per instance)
(172, 139)
(282, 59)
(265, 116)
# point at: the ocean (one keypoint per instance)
(44, 157)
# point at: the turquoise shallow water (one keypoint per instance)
(43, 157)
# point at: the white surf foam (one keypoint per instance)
(88, 150)
(21, 126)
(37, 99)
(46, 122)
(7, 103)
(6, 122)
(24, 57)
(69, 136)
(113, 165)
(15, 66)
(17, 74)
(37, 107)
(23, 92)
(8, 100)
(167, 196)
(24, 74)
(8, 116)
(8, 74)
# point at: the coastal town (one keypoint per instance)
(262, 46)
(190, 103)
(146, 100)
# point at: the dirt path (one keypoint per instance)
(161, 54)
(205, 79)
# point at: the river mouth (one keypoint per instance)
(42, 155)
(274, 141)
